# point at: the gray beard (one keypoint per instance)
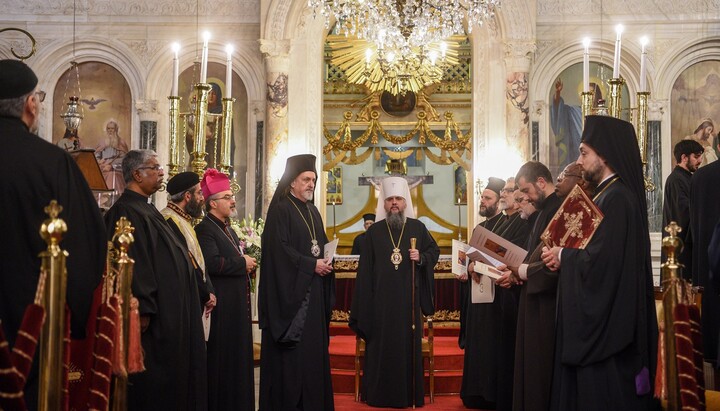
(396, 220)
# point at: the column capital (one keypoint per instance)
(656, 109)
(274, 48)
(147, 109)
(518, 55)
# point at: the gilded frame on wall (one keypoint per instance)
(334, 186)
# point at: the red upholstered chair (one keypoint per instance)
(427, 353)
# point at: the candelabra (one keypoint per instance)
(616, 84)
(196, 120)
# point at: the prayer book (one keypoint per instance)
(575, 222)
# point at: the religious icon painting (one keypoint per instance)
(334, 186)
(459, 185)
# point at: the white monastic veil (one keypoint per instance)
(390, 187)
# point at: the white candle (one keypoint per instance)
(176, 69)
(643, 58)
(204, 61)
(618, 47)
(586, 65)
(228, 71)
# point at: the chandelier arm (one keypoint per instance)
(33, 44)
(436, 159)
(334, 162)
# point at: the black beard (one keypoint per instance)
(489, 211)
(396, 220)
(194, 208)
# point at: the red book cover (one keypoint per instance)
(574, 223)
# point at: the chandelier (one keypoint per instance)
(391, 70)
(410, 40)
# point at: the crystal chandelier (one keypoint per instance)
(410, 38)
(405, 24)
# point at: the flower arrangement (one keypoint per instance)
(249, 231)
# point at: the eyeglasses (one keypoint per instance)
(40, 95)
(520, 201)
(572, 175)
(508, 190)
(156, 167)
(227, 197)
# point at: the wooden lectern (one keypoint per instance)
(85, 159)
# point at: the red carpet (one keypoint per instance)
(345, 402)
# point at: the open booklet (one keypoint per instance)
(462, 255)
(330, 250)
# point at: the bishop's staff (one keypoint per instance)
(413, 243)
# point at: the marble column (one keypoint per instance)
(653, 171)
(277, 66)
(518, 56)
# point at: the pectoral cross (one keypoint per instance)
(573, 225)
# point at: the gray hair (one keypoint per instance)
(133, 160)
(13, 107)
(178, 197)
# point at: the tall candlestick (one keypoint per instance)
(586, 65)
(228, 71)
(176, 70)
(459, 221)
(203, 62)
(643, 58)
(618, 47)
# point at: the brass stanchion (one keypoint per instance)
(124, 270)
(225, 163)
(50, 396)
(616, 85)
(175, 143)
(671, 277)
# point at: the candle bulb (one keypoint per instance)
(618, 47)
(204, 61)
(586, 65)
(176, 69)
(643, 58)
(228, 71)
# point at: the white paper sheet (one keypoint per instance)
(330, 249)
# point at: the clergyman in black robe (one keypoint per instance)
(231, 370)
(382, 306)
(606, 346)
(676, 196)
(359, 241)
(296, 296)
(489, 328)
(535, 340)
(165, 284)
(34, 172)
(704, 214)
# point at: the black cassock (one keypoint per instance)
(381, 312)
(606, 314)
(294, 310)
(704, 214)
(489, 330)
(676, 203)
(33, 173)
(164, 283)
(358, 244)
(231, 375)
(535, 339)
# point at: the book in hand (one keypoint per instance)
(575, 222)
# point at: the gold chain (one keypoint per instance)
(606, 187)
(312, 232)
(391, 237)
